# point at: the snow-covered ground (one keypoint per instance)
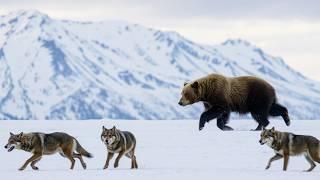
(165, 150)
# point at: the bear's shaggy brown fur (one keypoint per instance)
(222, 95)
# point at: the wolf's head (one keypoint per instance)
(110, 136)
(14, 141)
(268, 136)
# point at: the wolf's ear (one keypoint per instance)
(272, 129)
(11, 134)
(103, 128)
(114, 128)
(20, 135)
(185, 83)
(195, 85)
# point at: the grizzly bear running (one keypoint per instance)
(222, 95)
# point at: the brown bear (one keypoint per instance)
(222, 95)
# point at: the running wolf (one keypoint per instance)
(122, 142)
(287, 144)
(40, 144)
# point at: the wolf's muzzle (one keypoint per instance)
(262, 143)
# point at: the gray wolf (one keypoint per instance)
(121, 142)
(40, 144)
(287, 144)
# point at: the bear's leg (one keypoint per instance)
(279, 110)
(222, 121)
(262, 119)
(210, 114)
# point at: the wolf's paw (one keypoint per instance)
(35, 168)
(310, 169)
(115, 165)
(21, 169)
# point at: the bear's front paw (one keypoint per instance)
(201, 125)
(227, 128)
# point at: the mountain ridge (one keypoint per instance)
(62, 69)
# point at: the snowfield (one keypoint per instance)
(165, 150)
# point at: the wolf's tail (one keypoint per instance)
(82, 151)
(279, 110)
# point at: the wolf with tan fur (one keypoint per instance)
(287, 144)
(40, 144)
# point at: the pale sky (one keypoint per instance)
(286, 28)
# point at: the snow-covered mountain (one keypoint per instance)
(55, 69)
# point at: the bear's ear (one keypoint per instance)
(185, 83)
(195, 85)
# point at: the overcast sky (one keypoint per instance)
(286, 28)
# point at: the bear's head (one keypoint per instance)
(190, 93)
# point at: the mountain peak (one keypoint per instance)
(61, 69)
(234, 42)
(27, 13)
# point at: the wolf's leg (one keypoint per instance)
(222, 121)
(81, 160)
(274, 158)
(309, 159)
(110, 155)
(34, 162)
(116, 163)
(210, 114)
(68, 152)
(131, 155)
(31, 159)
(285, 162)
(135, 162)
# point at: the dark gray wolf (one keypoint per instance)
(122, 142)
